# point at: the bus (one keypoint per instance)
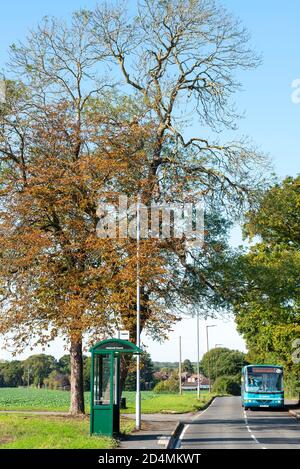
(262, 386)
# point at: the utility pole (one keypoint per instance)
(138, 320)
(179, 367)
(217, 360)
(198, 357)
(208, 359)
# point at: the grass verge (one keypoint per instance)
(48, 432)
(167, 403)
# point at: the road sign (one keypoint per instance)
(124, 335)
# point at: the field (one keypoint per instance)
(18, 431)
(39, 432)
(34, 399)
(168, 403)
(24, 399)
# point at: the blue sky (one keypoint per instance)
(272, 119)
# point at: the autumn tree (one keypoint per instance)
(58, 276)
(44, 179)
(187, 51)
(184, 51)
(64, 141)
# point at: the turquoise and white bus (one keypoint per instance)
(262, 386)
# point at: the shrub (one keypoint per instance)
(169, 385)
(292, 384)
(227, 385)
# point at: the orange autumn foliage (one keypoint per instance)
(64, 279)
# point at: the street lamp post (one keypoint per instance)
(179, 367)
(138, 321)
(207, 347)
(198, 358)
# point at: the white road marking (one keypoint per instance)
(250, 431)
(163, 440)
(178, 444)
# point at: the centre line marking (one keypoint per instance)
(250, 431)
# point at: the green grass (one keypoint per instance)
(156, 403)
(40, 432)
(25, 431)
(291, 396)
(47, 400)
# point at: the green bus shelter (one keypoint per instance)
(105, 385)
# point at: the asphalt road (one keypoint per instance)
(225, 425)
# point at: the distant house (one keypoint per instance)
(191, 382)
(161, 375)
(194, 379)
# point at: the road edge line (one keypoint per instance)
(182, 427)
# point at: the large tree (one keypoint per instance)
(170, 53)
(221, 361)
(62, 142)
(187, 52)
(58, 276)
(11, 374)
(51, 174)
(267, 289)
(37, 368)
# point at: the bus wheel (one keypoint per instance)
(246, 408)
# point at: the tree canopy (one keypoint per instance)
(222, 361)
(267, 302)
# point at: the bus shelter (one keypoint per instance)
(105, 385)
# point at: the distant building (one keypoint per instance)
(161, 375)
(191, 383)
(194, 379)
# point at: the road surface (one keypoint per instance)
(225, 425)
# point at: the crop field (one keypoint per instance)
(25, 399)
(36, 399)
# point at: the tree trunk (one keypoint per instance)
(77, 395)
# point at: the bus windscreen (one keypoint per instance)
(264, 380)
